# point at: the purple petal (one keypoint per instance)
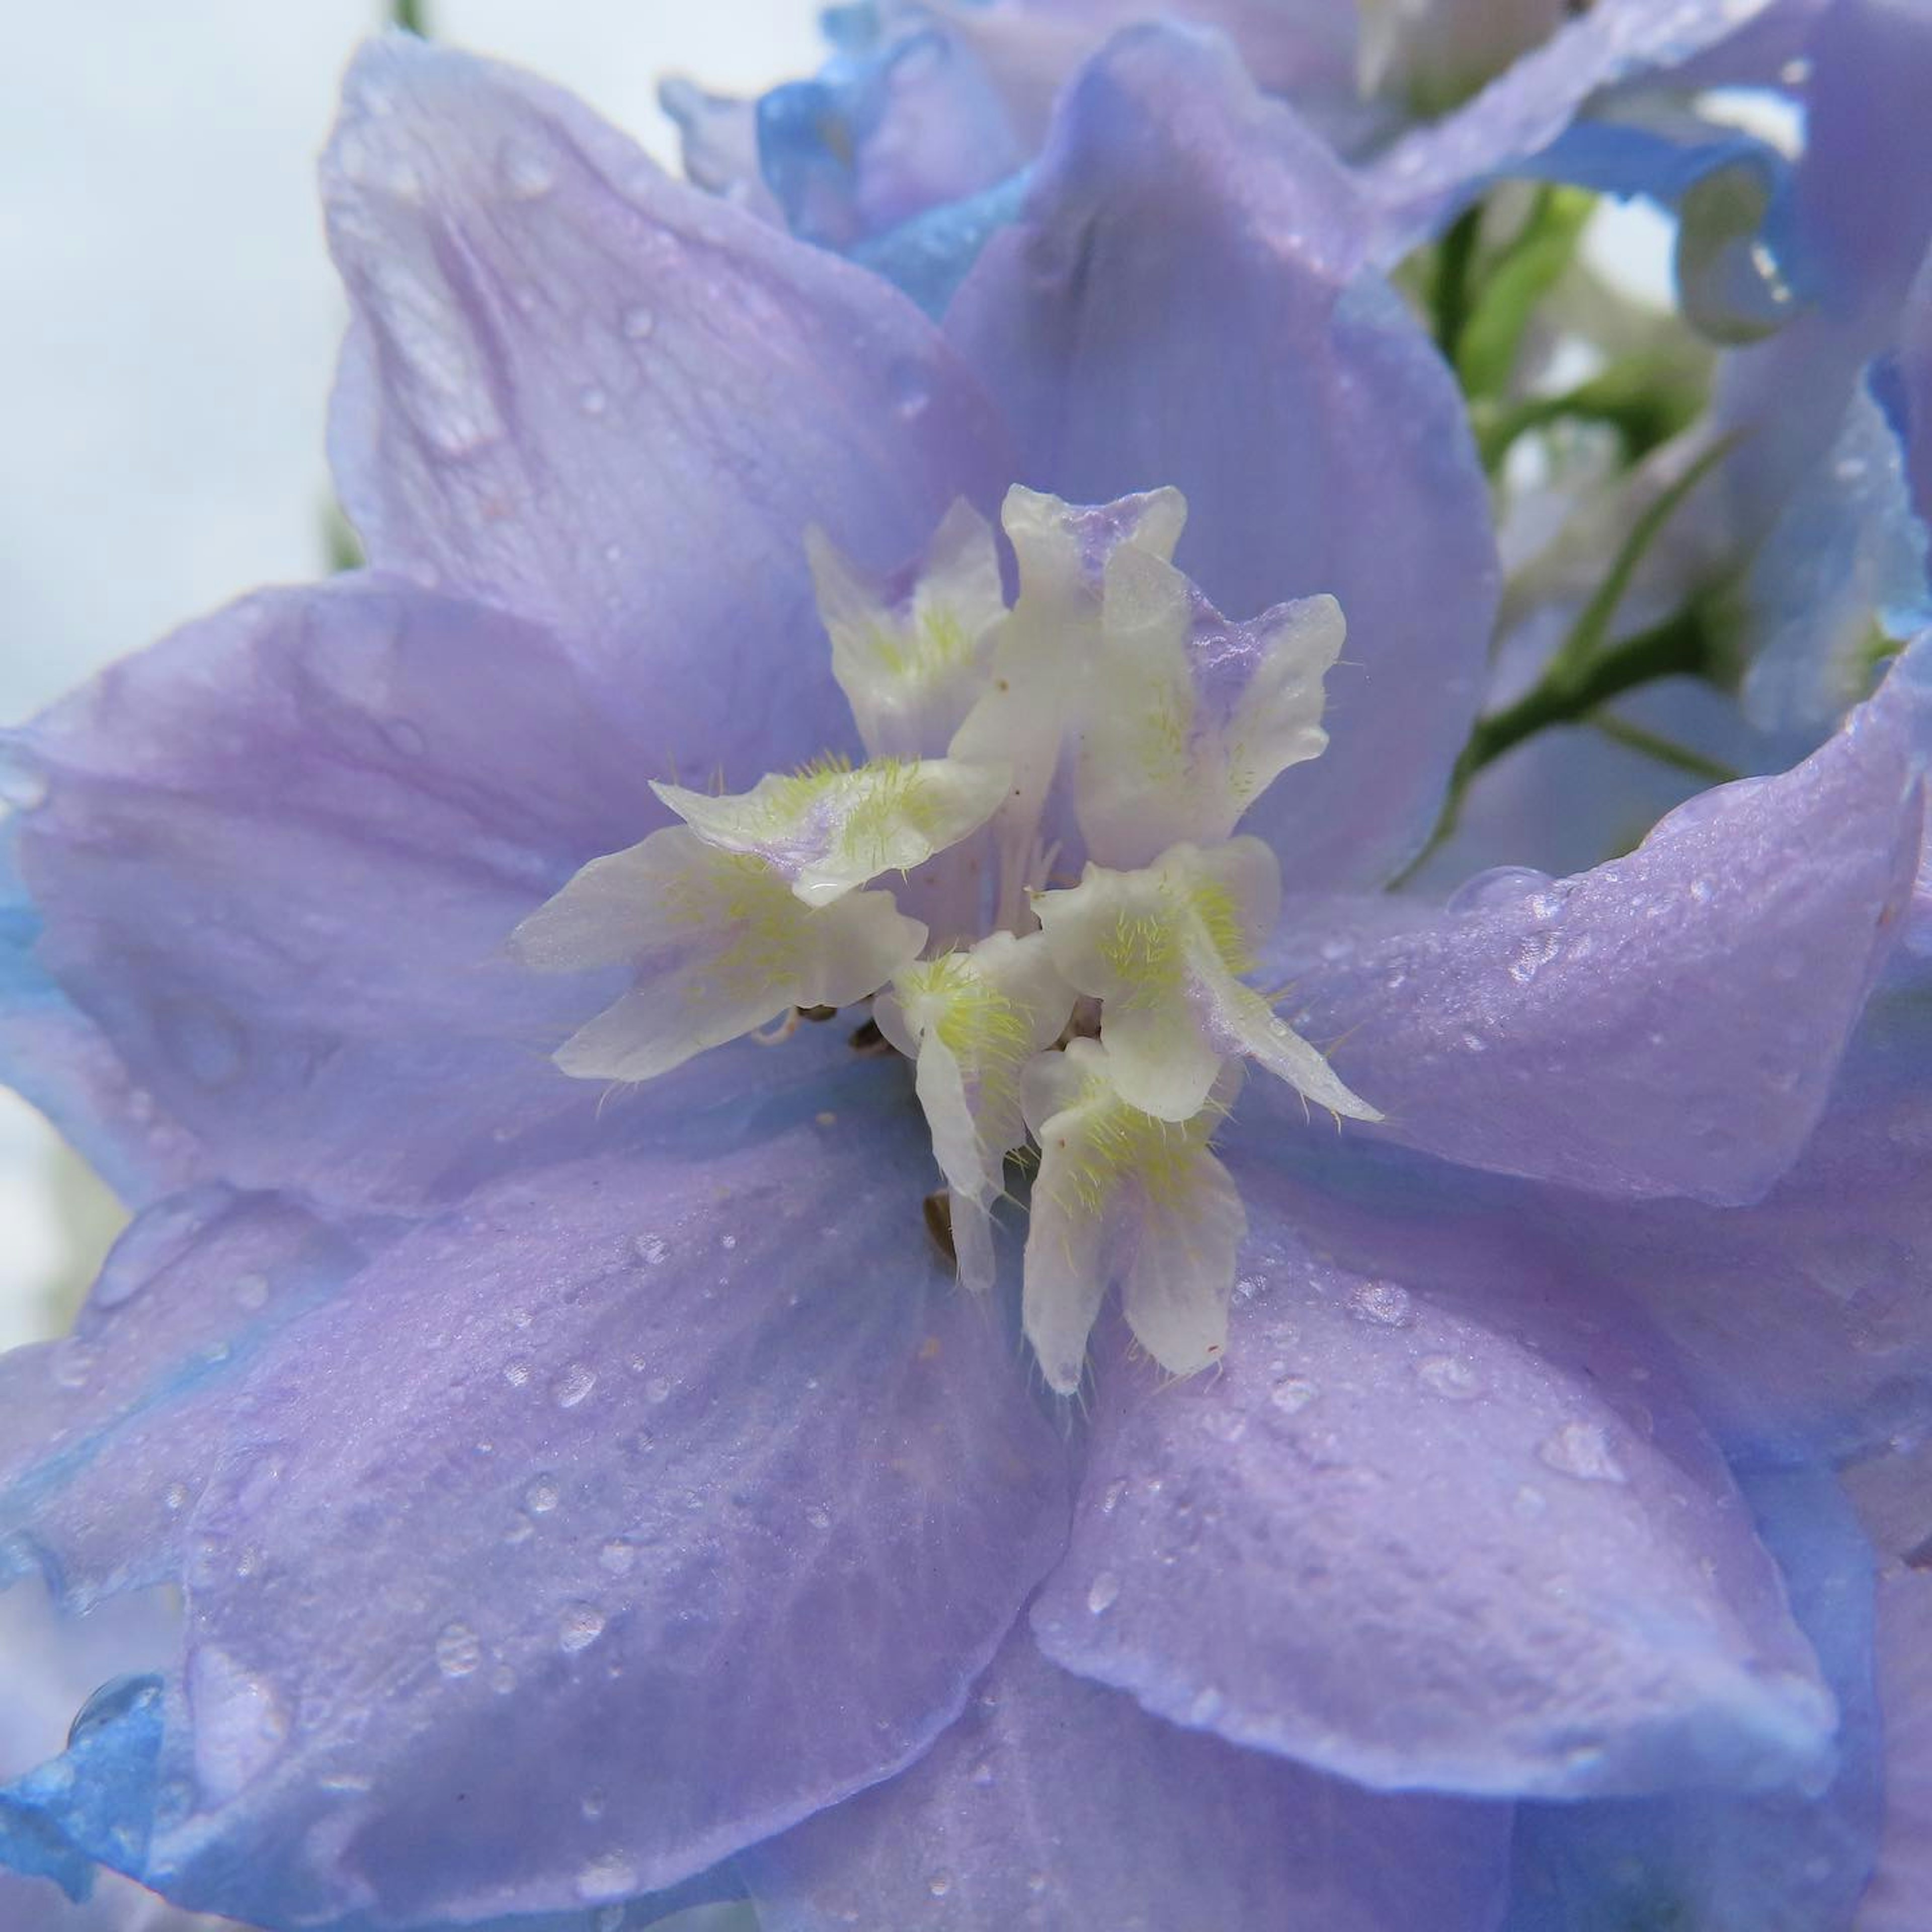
(277, 858)
(1054, 1803)
(1182, 227)
(1032, 47)
(1782, 1861)
(1801, 1323)
(634, 1512)
(1667, 1023)
(583, 391)
(1431, 1528)
(1425, 177)
(1893, 1495)
(107, 1435)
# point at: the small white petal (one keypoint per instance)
(832, 827)
(972, 1021)
(1161, 947)
(720, 945)
(911, 667)
(1121, 1195)
(1189, 719)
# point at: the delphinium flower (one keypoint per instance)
(806, 1230)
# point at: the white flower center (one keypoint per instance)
(1110, 717)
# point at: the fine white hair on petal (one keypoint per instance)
(832, 827)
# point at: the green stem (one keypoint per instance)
(412, 15)
(1455, 275)
(1665, 751)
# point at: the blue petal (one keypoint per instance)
(635, 1512)
(1442, 1522)
(276, 863)
(1632, 1031)
(1053, 1803)
(582, 391)
(1791, 1863)
(1180, 304)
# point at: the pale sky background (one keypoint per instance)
(171, 323)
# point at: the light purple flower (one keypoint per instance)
(580, 1503)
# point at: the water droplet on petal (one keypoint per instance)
(1582, 1450)
(1449, 1376)
(458, 1654)
(115, 1699)
(542, 1496)
(516, 1373)
(574, 1385)
(1382, 1302)
(527, 175)
(638, 323)
(940, 1884)
(611, 1876)
(1293, 1394)
(73, 1361)
(582, 1625)
(617, 1556)
(593, 400)
(657, 1389)
(652, 1251)
(1104, 1593)
(251, 1291)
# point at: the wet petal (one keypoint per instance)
(661, 1522)
(1669, 1023)
(544, 320)
(1055, 1803)
(1338, 461)
(1778, 1862)
(1893, 1496)
(1428, 1528)
(275, 864)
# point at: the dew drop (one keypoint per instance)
(593, 400)
(1293, 1394)
(1582, 1450)
(981, 1775)
(503, 1680)
(527, 175)
(573, 1386)
(652, 1252)
(542, 1496)
(174, 1497)
(116, 1698)
(23, 783)
(516, 1373)
(1111, 1501)
(1037, 1884)
(458, 1654)
(1449, 1376)
(657, 1389)
(73, 1362)
(251, 1291)
(1103, 1593)
(611, 1876)
(1381, 1303)
(593, 1805)
(617, 1556)
(582, 1625)
(940, 1884)
(639, 323)
(819, 1517)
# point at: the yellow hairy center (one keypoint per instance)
(1111, 1142)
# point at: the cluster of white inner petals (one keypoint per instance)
(1110, 720)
